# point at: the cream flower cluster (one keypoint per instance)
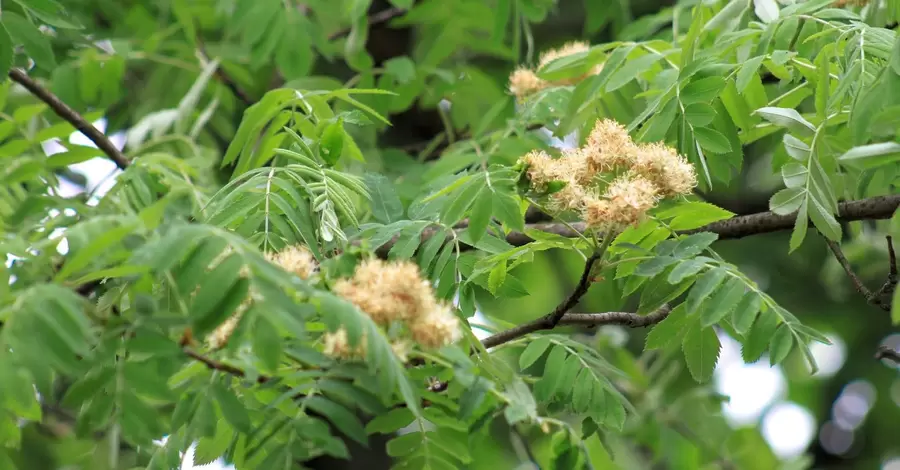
(296, 260)
(394, 293)
(524, 81)
(647, 173)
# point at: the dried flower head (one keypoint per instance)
(670, 172)
(387, 291)
(524, 82)
(438, 327)
(297, 260)
(608, 147)
(337, 345)
(220, 336)
(401, 349)
(566, 49)
(625, 203)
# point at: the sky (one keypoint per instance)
(757, 391)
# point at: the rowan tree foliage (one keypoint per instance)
(315, 199)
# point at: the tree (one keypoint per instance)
(315, 199)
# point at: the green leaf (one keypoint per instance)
(794, 174)
(232, 409)
(693, 245)
(630, 70)
(873, 155)
(390, 421)
(692, 215)
(497, 277)
(702, 90)
(747, 72)
(712, 140)
(506, 210)
(699, 114)
(50, 12)
(787, 201)
(331, 144)
(461, 201)
(36, 44)
(6, 51)
(723, 302)
(780, 347)
(654, 266)
(788, 118)
(745, 312)
(582, 391)
(800, 226)
(705, 285)
(668, 330)
(685, 269)
(342, 418)
(701, 351)
(480, 215)
(386, 205)
(760, 336)
(533, 352)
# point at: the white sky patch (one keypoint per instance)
(751, 387)
(788, 428)
(830, 358)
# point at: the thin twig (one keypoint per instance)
(887, 289)
(221, 366)
(632, 320)
(64, 111)
(871, 297)
(584, 283)
(888, 353)
(375, 19)
(223, 77)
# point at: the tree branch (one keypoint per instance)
(221, 366)
(885, 352)
(375, 19)
(64, 111)
(873, 298)
(887, 289)
(628, 319)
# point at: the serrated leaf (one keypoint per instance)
(391, 421)
(703, 287)
(800, 226)
(685, 269)
(759, 337)
(582, 391)
(497, 277)
(747, 72)
(699, 114)
(386, 205)
(780, 347)
(553, 369)
(341, 417)
(702, 90)
(693, 245)
(232, 409)
(712, 140)
(872, 155)
(745, 312)
(722, 302)
(701, 351)
(692, 215)
(480, 215)
(630, 70)
(533, 352)
(787, 118)
(668, 330)
(787, 201)
(654, 266)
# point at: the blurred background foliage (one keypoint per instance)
(463, 51)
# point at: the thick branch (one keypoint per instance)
(628, 319)
(64, 111)
(584, 283)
